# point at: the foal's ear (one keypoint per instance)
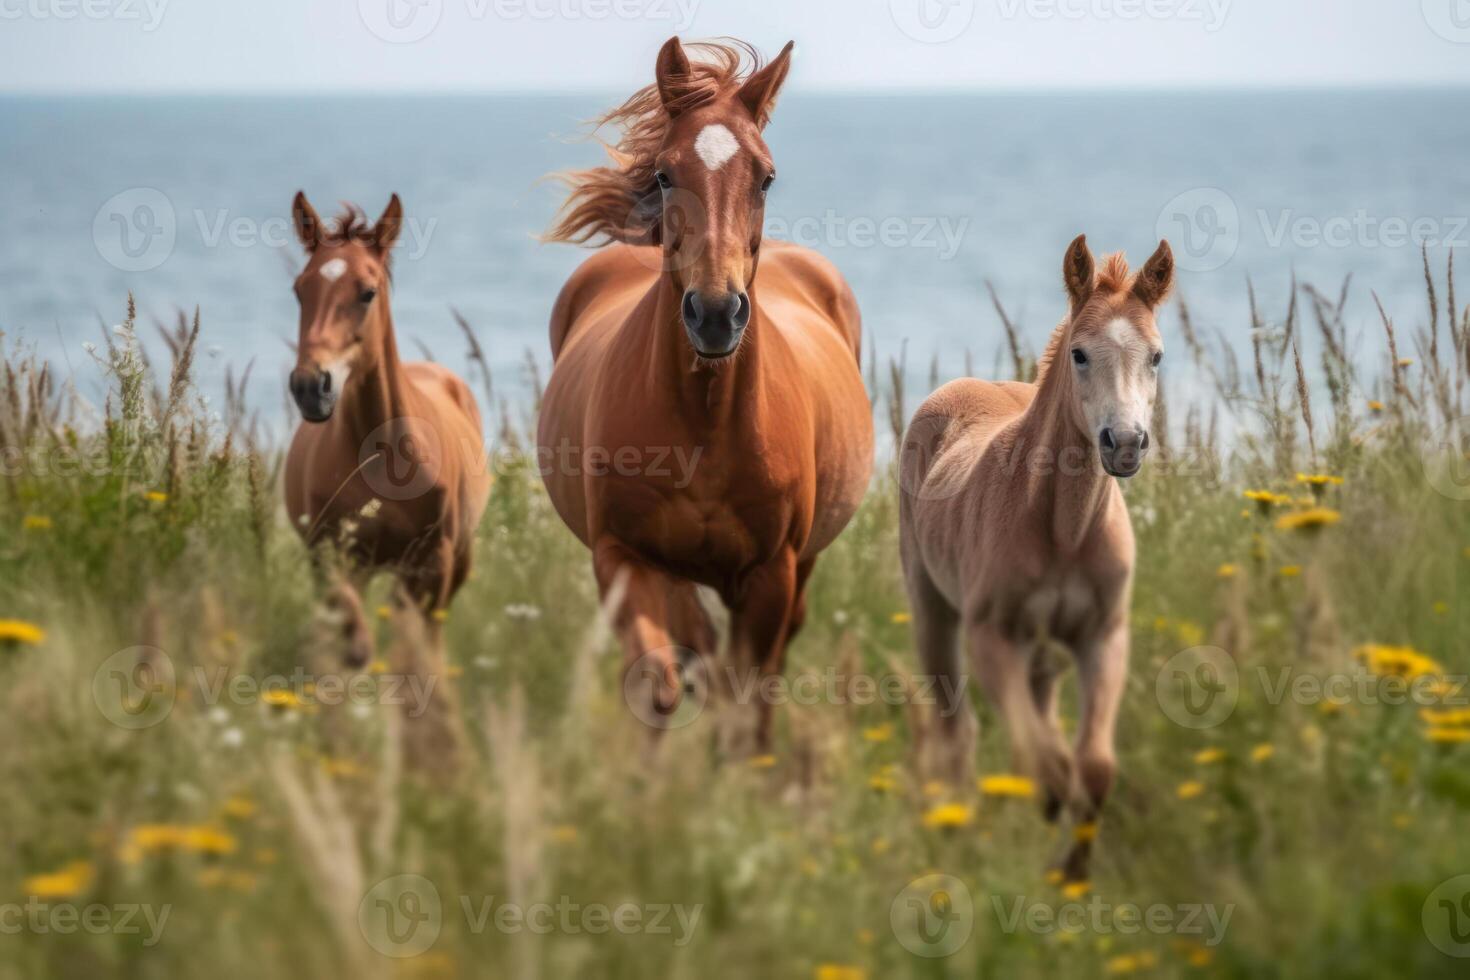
(674, 76)
(1078, 271)
(760, 89)
(1156, 277)
(308, 225)
(385, 232)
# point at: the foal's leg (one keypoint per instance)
(759, 630)
(936, 633)
(642, 621)
(1045, 673)
(1005, 675)
(1102, 673)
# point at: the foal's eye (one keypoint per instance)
(1158, 356)
(766, 184)
(367, 295)
(1078, 356)
(663, 180)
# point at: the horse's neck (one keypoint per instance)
(726, 395)
(379, 389)
(1064, 480)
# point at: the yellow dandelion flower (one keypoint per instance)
(1076, 889)
(280, 698)
(69, 882)
(155, 496)
(1265, 499)
(882, 783)
(1007, 785)
(18, 631)
(1448, 736)
(1406, 362)
(948, 816)
(1227, 571)
(1200, 956)
(1311, 519)
(1396, 661)
(1190, 634)
(384, 612)
(762, 762)
(1290, 571)
(440, 615)
(36, 522)
(378, 666)
(1262, 752)
(1318, 479)
(1445, 717)
(1131, 963)
(1190, 789)
(878, 733)
(1210, 756)
(1375, 406)
(838, 971)
(1054, 876)
(900, 617)
(1085, 833)
(208, 839)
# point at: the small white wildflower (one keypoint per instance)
(370, 509)
(521, 610)
(232, 738)
(484, 663)
(362, 711)
(304, 520)
(840, 617)
(218, 715)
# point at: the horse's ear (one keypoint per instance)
(385, 232)
(308, 225)
(675, 77)
(1156, 278)
(760, 89)
(1078, 271)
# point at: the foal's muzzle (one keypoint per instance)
(1122, 450)
(715, 324)
(314, 393)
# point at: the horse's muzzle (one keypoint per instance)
(1122, 451)
(313, 391)
(715, 324)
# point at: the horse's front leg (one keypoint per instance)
(1102, 673)
(643, 605)
(760, 629)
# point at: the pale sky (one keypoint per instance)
(194, 46)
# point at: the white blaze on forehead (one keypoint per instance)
(332, 271)
(716, 145)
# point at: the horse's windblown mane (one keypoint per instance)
(1113, 277)
(619, 203)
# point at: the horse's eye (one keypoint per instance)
(1078, 356)
(1158, 356)
(663, 180)
(766, 184)
(367, 295)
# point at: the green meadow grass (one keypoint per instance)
(264, 827)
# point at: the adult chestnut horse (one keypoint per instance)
(669, 346)
(1016, 539)
(389, 460)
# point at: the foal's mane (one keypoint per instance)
(619, 203)
(1114, 279)
(353, 227)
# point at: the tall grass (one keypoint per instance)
(265, 824)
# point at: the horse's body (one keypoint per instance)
(1015, 537)
(745, 436)
(389, 463)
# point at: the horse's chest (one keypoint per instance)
(1064, 607)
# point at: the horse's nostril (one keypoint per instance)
(326, 382)
(693, 309)
(1143, 443)
(1105, 439)
(742, 309)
